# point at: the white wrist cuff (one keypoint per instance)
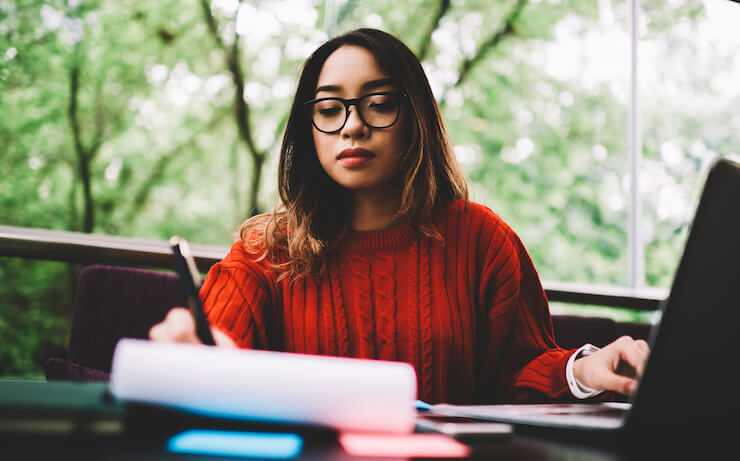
(576, 388)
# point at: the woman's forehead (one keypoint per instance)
(352, 67)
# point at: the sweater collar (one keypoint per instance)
(376, 240)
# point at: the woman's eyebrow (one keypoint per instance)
(332, 88)
(372, 84)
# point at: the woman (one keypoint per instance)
(377, 253)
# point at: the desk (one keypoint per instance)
(518, 447)
(76, 402)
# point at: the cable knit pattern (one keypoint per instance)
(470, 314)
(327, 330)
(385, 288)
(338, 306)
(413, 305)
(425, 309)
(365, 324)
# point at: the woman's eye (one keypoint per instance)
(381, 103)
(382, 106)
(329, 111)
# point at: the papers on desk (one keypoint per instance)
(342, 393)
(57, 408)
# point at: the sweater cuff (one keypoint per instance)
(576, 388)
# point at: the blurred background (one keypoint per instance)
(587, 125)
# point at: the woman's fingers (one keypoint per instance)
(643, 346)
(616, 367)
(222, 339)
(619, 383)
(178, 326)
(632, 355)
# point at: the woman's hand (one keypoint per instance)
(179, 327)
(616, 367)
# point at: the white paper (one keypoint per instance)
(343, 393)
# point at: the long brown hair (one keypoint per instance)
(299, 234)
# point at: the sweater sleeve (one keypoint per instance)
(527, 365)
(237, 299)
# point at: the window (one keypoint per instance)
(589, 126)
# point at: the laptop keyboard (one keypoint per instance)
(595, 411)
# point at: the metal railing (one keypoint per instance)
(75, 247)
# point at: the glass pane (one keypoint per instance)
(536, 102)
(689, 74)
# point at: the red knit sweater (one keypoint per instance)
(470, 315)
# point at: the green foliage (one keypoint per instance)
(35, 298)
(147, 143)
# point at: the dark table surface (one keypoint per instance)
(64, 420)
(519, 446)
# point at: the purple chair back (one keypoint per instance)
(117, 302)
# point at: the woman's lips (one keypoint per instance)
(356, 157)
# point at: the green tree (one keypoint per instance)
(149, 119)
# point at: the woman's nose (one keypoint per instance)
(354, 127)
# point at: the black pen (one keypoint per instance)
(190, 278)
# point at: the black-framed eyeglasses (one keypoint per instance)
(376, 110)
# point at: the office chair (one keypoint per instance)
(112, 303)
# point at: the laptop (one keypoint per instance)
(689, 383)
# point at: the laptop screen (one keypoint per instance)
(689, 378)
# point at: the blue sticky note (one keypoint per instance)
(236, 443)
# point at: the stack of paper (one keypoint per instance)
(343, 393)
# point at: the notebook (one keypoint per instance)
(688, 384)
(57, 408)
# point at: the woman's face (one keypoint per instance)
(357, 156)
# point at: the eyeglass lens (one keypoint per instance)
(376, 110)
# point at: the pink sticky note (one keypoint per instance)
(403, 445)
